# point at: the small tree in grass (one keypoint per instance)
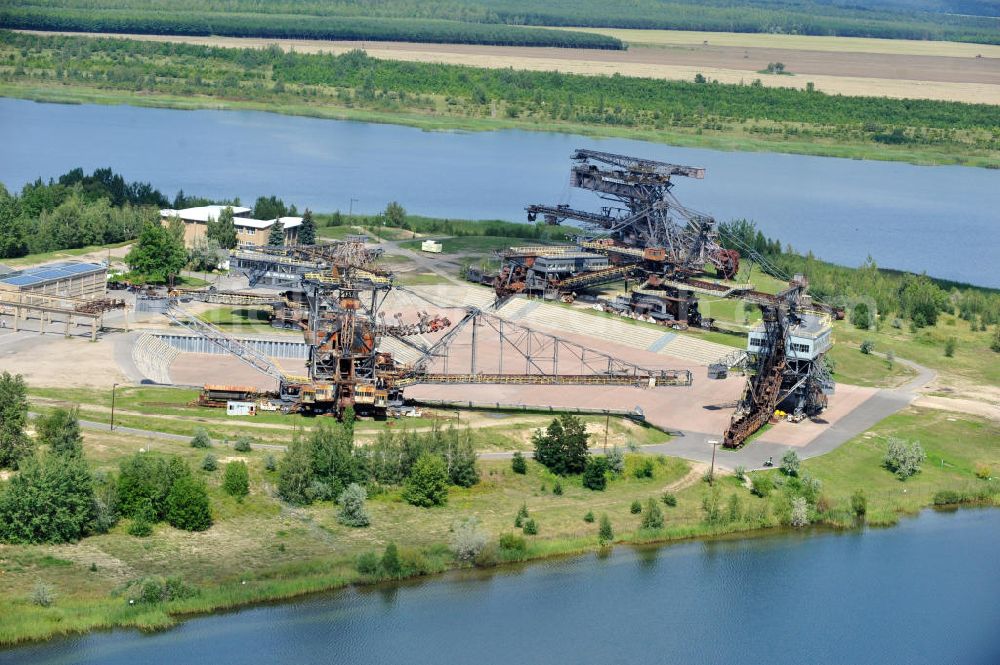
(790, 463)
(652, 516)
(669, 499)
(904, 458)
(14, 443)
(800, 512)
(949, 347)
(60, 430)
(589, 517)
(636, 507)
(594, 474)
(428, 482)
(530, 527)
(142, 523)
(42, 594)
(761, 485)
(352, 506)
(236, 480)
(209, 463)
(390, 561)
(242, 444)
(468, 539)
(187, 505)
(605, 534)
(518, 464)
(859, 503)
(201, 439)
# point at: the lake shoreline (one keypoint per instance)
(727, 142)
(237, 596)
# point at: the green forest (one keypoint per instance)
(546, 99)
(412, 20)
(75, 210)
(299, 27)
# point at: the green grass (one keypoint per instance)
(973, 361)
(854, 367)
(45, 257)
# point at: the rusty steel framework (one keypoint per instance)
(647, 235)
(343, 290)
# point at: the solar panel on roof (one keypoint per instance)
(20, 280)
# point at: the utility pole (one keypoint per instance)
(113, 386)
(350, 207)
(711, 473)
(607, 421)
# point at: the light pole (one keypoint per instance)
(113, 386)
(711, 473)
(350, 207)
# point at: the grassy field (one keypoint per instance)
(259, 549)
(61, 254)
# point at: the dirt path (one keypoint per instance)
(692, 477)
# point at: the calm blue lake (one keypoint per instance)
(926, 591)
(944, 220)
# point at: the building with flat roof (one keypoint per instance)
(68, 280)
(249, 232)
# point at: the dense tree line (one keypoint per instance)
(298, 27)
(918, 298)
(75, 210)
(354, 79)
(964, 20)
(324, 463)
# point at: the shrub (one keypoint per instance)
(468, 539)
(644, 469)
(669, 499)
(518, 464)
(209, 463)
(270, 463)
(903, 458)
(201, 439)
(295, 473)
(352, 506)
(319, 491)
(562, 447)
(49, 500)
(800, 512)
(790, 463)
(983, 471)
(487, 556)
(652, 517)
(589, 517)
(60, 430)
(605, 534)
(42, 594)
(530, 527)
(236, 480)
(949, 347)
(512, 546)
(242, 444)
(594, 477)
(867, 346)
(947, 497)
(523, 510)
(151, 592)
(859, 503)
(761, 485)
(636, 507)
(741, 473)
(368, 563)
(734, 509)
(142, 523)
(390, 561)
(616, 460)
(187, 505)
(557, 489)
(428, 482)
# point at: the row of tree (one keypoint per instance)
(965, 20)
(297, 27)
(322, 464)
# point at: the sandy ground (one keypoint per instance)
(900, 75)
(960, 405)
(52, 360)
